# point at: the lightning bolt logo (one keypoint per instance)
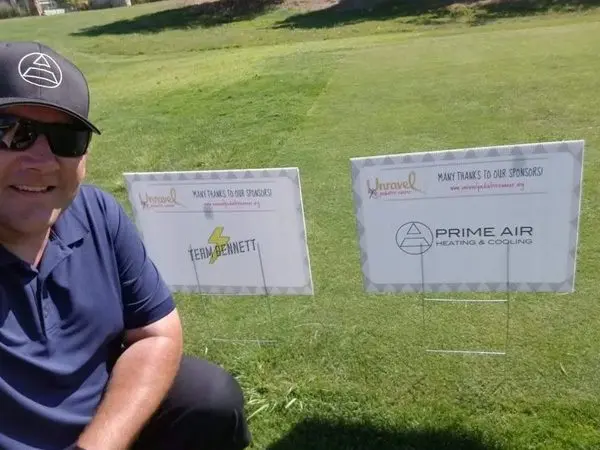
(217, 239)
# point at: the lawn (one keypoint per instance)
(348, 370)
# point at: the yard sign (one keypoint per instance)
(238, 232)
(478, 219)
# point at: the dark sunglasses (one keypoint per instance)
(66, 140)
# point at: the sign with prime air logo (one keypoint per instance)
(235, 232)
(485, 219)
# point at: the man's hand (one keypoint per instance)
(140, 380)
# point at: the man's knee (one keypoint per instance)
(206, 386)
(211, 400)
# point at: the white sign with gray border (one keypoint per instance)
(236, 232)
(487, 219)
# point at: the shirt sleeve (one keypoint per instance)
(146, 297)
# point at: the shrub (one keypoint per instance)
(139, 2)
(7, 11)
(74, 5)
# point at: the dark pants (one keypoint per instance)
(204, 410)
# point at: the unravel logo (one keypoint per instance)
(393, 188)
(159, 201)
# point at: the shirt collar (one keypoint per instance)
(71, 226)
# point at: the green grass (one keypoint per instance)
(348, 370)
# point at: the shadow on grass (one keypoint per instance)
(427, 12)
(315, 434)
(204, 15)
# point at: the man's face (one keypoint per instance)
(35, 185)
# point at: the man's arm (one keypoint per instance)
(140, 380)
(145, 370)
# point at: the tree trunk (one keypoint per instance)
(35, 8)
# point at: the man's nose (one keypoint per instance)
(39, 156)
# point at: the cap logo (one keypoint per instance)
(40, 70)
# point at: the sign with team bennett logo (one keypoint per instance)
(479, 219)
(224, 232)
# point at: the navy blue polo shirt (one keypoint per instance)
(61, 325)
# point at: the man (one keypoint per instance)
(90, 339)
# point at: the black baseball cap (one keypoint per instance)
(33, 74)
